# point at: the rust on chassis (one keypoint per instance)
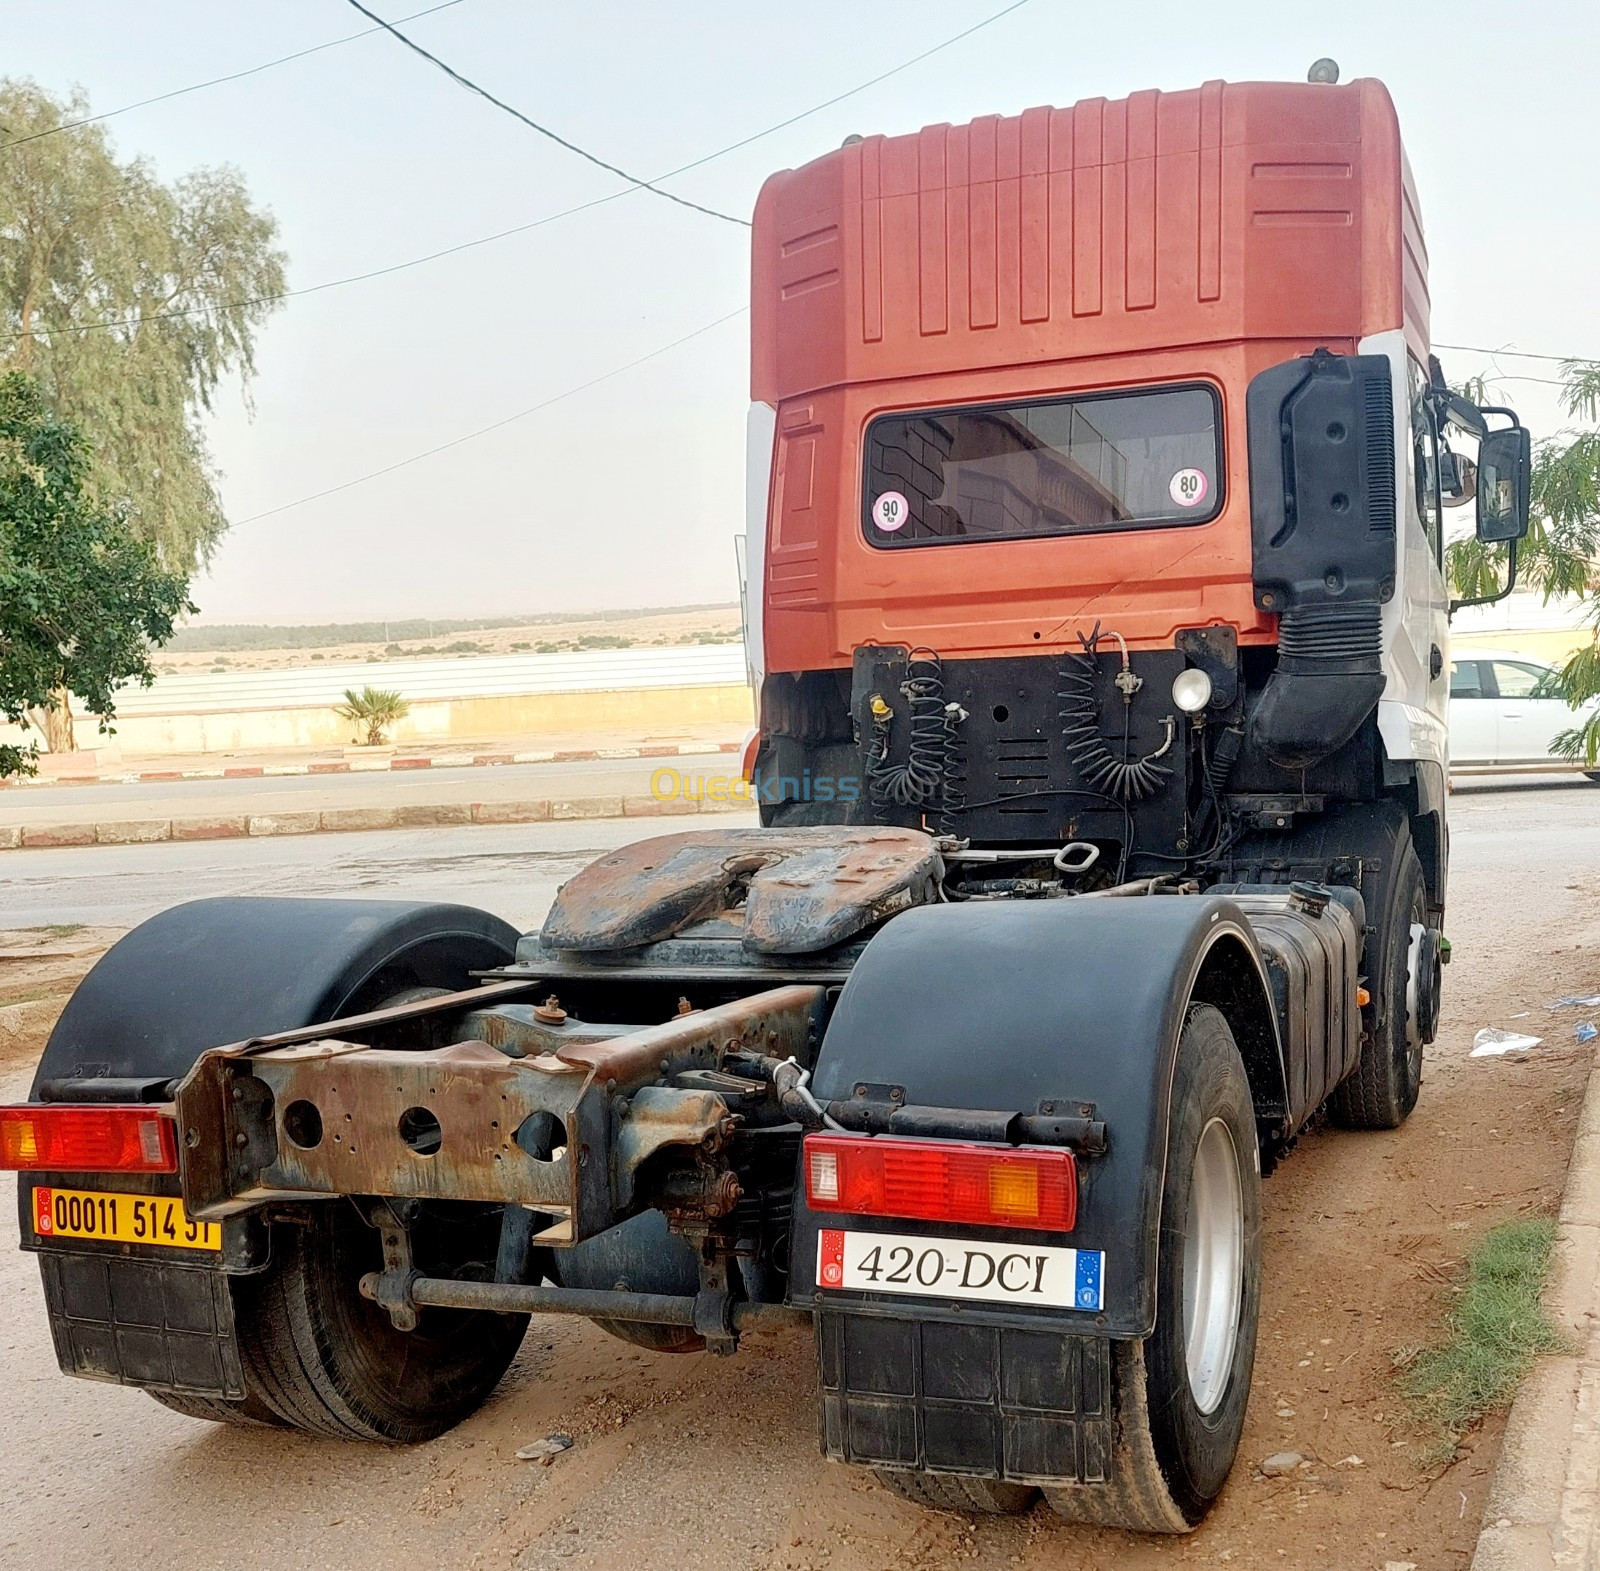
(794, 891)
(317, 1114)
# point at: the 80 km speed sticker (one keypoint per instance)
(890, 511)
(1188, 487)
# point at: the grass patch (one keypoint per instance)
(57, 929)
(1495, 1329)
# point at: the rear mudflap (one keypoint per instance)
(142, 1322)
(159, 1317)
(1032, 1406)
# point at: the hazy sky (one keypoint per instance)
(630, 493)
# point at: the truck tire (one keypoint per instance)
(251, 1411)
(641, 1255)
(315, 1355)
(1180, 1394)
(954, 1492)
(331, 1362)
(1383, 1089)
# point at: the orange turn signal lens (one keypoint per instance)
(39, 1137)
(943, 1181)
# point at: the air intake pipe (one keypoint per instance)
(1323, 503)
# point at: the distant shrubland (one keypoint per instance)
(231, 637)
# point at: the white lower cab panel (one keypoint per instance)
(993, 1270)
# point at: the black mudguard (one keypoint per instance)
(198, 976)
(212, 972)
(1004, 1005)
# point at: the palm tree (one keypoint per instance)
(375, 708)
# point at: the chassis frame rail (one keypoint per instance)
(311, 1114)
(513, 1298)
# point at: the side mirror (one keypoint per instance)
(1505, 475)
(1458, 478)
(1464, 416)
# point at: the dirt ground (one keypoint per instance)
(702, 1463)
(39, 967)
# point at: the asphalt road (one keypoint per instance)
(513, 870)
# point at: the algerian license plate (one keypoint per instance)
(120, 1219)
(1004, 1273)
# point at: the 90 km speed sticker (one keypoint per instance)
(1188, 487)
(890, 511)
(1005, 1273)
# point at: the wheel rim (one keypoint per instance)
(1213, 1265)
(1415, 937)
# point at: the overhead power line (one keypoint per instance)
(849, 92)
(537, 223)
(1517, 354)
(543, 130)
(521, 414)
(218, 81)
(606, 376)
(634, 185)
(313, 289)
(1510, 376)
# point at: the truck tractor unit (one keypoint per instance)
(1098, 467)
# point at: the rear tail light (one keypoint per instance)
(78, 1139)
(942, 1181)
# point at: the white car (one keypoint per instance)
(1505, 711)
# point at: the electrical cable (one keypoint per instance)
(1128, 779)
(543, 130)
(313, 289)
(953, 800)
(521, 414)
(218, 81)
(1509, 376)
(517, 229)
(1517, 354)
(1030, 794)
(919, 782)
(850, 92)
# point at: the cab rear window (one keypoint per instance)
(1056, 466)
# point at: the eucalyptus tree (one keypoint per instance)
(130, 302)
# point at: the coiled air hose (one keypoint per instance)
(1127, 779)
(920, 781)
(953, 802)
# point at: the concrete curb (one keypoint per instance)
(1543, 1510)
(346, 820)
(362, 766)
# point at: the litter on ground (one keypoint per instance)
(544, 1450)
(1492, 1041)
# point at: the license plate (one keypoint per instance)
(1003, 1273)
(120, 1219)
